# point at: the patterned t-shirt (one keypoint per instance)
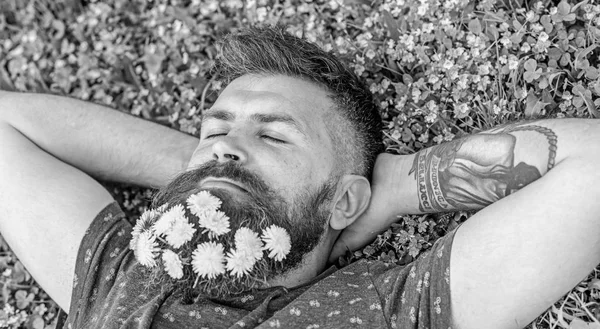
(111, 290)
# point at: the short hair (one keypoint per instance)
(355, 127)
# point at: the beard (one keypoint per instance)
(305, 220)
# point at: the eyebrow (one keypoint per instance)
(258, 117)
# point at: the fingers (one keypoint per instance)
(350, 240)
(339, 249)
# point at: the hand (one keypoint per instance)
(385, 205)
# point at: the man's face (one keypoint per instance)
(273, 126)
(265, 151)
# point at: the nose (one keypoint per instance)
(229, 149)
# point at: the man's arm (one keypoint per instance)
(465, 174)
(47, 201)
(539, 233)
(102, 142)
(473, 172)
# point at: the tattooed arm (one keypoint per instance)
(473, 172)
(465, 174)
(537, 234)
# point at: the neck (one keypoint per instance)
(313, 263)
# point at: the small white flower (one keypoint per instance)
(277, 241)
(203, 202)
(144, 223)
(248, 241)
(146, 249)
(162, 208)
(207, 260)
(216, 223)
(168, 219)
(238, 263)
(173, 264)
(181, 232)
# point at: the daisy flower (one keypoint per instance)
(173, 264)
(249, 242)
(181, 232)
(277, 241)
(146, 249)
(216, 223)
(202, 202)
(207, 260)
(144, 223)
(238, 263)
(163, 208)
(168, 219)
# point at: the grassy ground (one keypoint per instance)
(438, 69)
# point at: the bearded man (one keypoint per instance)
(292, 142)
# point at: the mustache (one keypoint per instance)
(188, 182)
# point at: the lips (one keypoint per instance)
(222, 183)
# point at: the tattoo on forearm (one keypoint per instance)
(473, 172)
(550, 135)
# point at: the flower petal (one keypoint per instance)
(208, 260)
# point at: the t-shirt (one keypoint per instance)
(111, 290)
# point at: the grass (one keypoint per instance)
(437, 71)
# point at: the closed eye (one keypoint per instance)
(267, 137)
(273, 139)
(215, 135)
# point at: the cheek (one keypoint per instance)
(201, 155)
(293, 174)
(306, 169)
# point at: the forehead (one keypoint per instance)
(304, 102)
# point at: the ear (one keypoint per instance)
(351, 200)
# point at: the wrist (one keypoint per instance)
(405, 186)
(396, 184)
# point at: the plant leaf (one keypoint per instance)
(475, 26)
(583, 53)
(530, 65)
(533, 105)
(553, 75)
(582, 3)
(546, 23)
(36, 323)
(564, 8)
(19, 273)
(23, 299)
(594, 284)
(590, 105)
(517, 25)
(493, 32)
(392, 25)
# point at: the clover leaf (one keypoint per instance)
(531, 73)
(563, 13)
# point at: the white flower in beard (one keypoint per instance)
(208, 259)
(277, 241)
(144, 223)
(168, 219)
(239, 263)
(215, 223)
(162, 208)
(173, 264)
(146, 249)
(202, 202)
(248, 242)
(181, 232)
